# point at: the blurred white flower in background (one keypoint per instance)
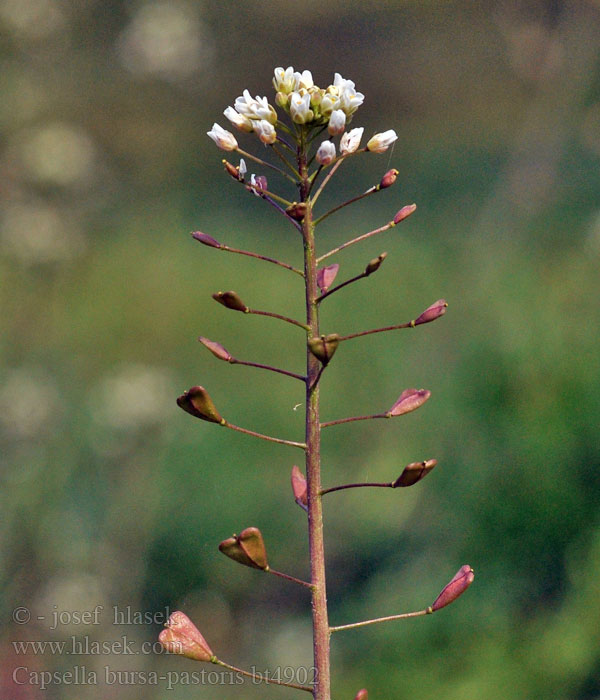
(167, 39)
(32, 19)
(29, 403)
(35, 232)
(57, 154)
(133, 397)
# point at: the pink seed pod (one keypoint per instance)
(362, 695)
(217, 349)
(247, 548)
(206, 239)
(198, 403)
(231, 300)
(413, 472)
(404, 213)
(326, 275)
(410, 400)
(388, 179)
(299, 488)
(181, 636)
(431, 313)
(455, 588)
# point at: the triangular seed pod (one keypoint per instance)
(324, 347)
(404, 213)
(375, 264)
(432, 312)
(181, 636)
(198, 403)
(231, 300)
(410, 400)
(297, 210)
(247, 548)
(413, 472)
(326, 275)
(217, 349)
(299, 488)
(206, 239)
(362, 695)
(462, 579)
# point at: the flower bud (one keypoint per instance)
(324, 347)
(388, 179)
(300, 110)
(241, 122)
(225, 140)
(247, 548)
(233, 170)
(381, 142)
(206, 239)
(181, 636)
(299, 488)
(413, 472)
(362, 695)
(432, 312)
(217, 349)
(350, 141)
(265, 131)
(457, 586)
(297, 210)
(404, 213)
(326, 275)
(375, 264)
(257, 184)
(231, 300)
(410, 400)
(198, 403)
(337, 122)
(326, 153)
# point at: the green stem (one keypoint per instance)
(260, 677)
(265, 164)
(381, 229)
(235, 361)
(313, 450)
(281, 441)
(280, 317)
(409, 324)
(403, 616)
(299, 581)
(352, 419)
(260, 257)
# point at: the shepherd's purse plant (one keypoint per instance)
(292, 128)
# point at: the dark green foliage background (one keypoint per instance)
(112, 496)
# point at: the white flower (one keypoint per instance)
(330, 101)
(300, 110)
(350, 141)
(224, 139)
(326, 153)
(238, 120)
(285, 81)
(244, 104)
(350, 100)
(265, 131)
(381, 142)
(242, 169)
(304, 79)
(263, 110)
(337, 122)
(255, 107)
(343, 84)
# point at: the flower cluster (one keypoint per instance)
(308, 106)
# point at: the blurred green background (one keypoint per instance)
(112, 496)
